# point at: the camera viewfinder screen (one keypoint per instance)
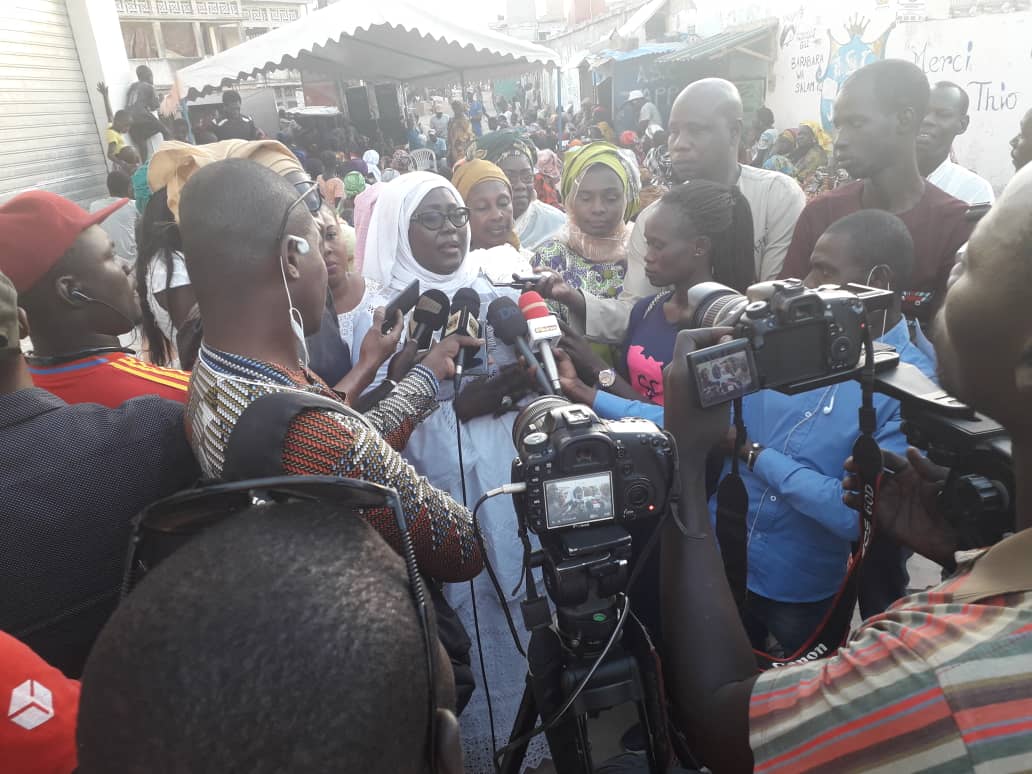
(578, 500)
(724, 372)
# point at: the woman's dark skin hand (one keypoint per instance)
(403, 361)
(485, 395)
(908, 504)
(572, 387)
(584, 358)
(553, 286)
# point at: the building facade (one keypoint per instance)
(167, 35)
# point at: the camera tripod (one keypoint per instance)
(560, 658)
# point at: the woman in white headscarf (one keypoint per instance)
(372, 160)
(419, 230)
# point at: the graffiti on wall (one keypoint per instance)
(960, 63)
(844, 59)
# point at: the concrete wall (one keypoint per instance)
(98, 38)
(987, 55)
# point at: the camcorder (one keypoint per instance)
(794, 339)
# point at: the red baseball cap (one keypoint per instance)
(36, 229)
(37, 735)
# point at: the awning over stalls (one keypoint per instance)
(390, 40)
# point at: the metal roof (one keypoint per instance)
(648, 49)
(720, 44)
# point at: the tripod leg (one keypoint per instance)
(524, 724)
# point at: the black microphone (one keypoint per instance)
(511, 326)
(430, 314)
(463, 320)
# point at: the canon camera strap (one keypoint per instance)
(731, 529)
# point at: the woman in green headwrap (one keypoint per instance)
(535, 222)
(600, 186)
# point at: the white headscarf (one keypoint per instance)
(388, 255)
(372, 160)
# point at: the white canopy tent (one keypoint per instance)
(389, 40)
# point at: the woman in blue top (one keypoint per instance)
(701, 232)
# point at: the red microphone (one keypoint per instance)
(544, 329)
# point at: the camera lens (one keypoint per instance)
(715, 304)
(533, 413)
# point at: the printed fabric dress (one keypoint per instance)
(603, 280)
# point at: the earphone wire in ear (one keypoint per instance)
(300, 244)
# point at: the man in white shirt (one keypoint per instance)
(648, 113)
(704, 134)
(948, 117)
(439, 121)
(120, 226)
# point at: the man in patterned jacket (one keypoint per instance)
(940, 681)
(255, 262)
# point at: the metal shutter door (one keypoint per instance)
(48, 138)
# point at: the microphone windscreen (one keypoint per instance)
(431, 309)
(465, 304)
(507, 320)
(533, 305)
(466, 299)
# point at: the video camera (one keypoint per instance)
(794, 339)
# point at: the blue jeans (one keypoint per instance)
(791, 623)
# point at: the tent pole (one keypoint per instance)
(462, 83)
(559, 104)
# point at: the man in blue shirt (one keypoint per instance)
(798, 529)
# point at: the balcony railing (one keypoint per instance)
(178, 9)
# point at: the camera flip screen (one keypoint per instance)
(724, 372)
(578, 500)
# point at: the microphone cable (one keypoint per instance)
(472, 588)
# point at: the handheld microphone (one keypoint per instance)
(511, 326)
(430, 314)
(462, 320)
(544, 329)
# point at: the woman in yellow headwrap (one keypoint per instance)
(487, 193)
(813, 146)
(600, 186)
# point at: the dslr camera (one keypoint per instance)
(581, 470)
(785, 334)
(589, 482)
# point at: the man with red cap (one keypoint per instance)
(79, 300)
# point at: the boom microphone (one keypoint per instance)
(544, 329)
(511, 326)
(430, 314)
(462, 319)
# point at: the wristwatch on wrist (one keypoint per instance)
(753, 452)
(606, 378)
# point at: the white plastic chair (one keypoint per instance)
(425, 158)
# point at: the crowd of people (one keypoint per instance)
(295, 632)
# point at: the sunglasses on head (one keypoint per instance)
(434, 219)
(163, 527)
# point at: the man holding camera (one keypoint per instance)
(941, 680)
(799, 530)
